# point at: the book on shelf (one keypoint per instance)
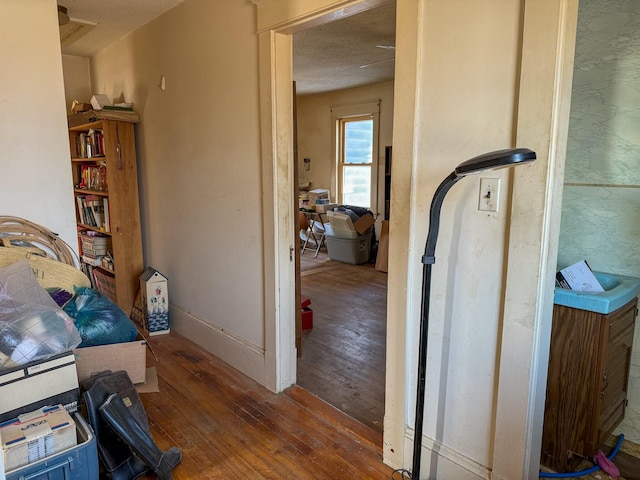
(96, 208)
(92, 177)
(105, 206)
(91, 211)
(90, 144)
(95, 251)
(84, 212)
(94, 245)
(91, 241)
(81, 213)
(94, 262)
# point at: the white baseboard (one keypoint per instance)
(237, 352)
(442, 462)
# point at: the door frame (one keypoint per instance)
(542, 119)
(278, 176)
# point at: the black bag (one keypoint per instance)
(117, 459)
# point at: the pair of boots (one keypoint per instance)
(119, 421)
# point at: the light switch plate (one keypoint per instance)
(489, 194)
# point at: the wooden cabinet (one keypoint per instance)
(105, 181)
(587, 382)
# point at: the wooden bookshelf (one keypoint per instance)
(105, 186)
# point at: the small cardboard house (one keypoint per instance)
(155, 301)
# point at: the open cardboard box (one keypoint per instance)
(129, 356)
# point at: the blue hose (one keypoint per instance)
(593, 469)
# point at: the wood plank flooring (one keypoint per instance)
(229, 427)
(343, 355)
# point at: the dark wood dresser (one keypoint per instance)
(587, 383)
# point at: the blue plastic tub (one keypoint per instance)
(618, 291)
(77, 463)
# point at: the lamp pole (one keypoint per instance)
(482, 163)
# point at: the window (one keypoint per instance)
(355, 161)
(355, 146)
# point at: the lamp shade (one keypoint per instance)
(494, 160)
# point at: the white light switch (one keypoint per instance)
(489, 194)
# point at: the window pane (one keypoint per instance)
(358, 141)
(356, 186)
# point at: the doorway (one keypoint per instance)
(342, 359)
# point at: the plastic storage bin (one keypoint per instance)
(349, 250)
(76, 463)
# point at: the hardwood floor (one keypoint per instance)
(229, 427)
(343, 355)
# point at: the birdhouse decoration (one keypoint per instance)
(155, 300)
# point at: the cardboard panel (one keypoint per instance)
(129, 356)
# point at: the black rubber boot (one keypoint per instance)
(116, 457)
(116, 414)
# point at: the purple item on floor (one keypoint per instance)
(605, 464)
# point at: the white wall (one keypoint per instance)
(198, 147)
(34, 155)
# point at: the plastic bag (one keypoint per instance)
(32, 326)
(30, 332)
(99, 320)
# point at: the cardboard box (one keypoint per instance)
(155, 301)
(318, 194)
(36, 435)
(325, 207)
(51, 381)
(100, 100)
(81, 107)
(364, 223)
(129, 356)
(382, 259)
(75, 463)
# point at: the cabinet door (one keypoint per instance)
(569, 422)
(614, 380)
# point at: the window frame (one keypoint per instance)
(341, 163)
(344, 113)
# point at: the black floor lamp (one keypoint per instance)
(479, 164)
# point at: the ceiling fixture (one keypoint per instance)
(63, 18)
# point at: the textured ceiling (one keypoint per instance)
(326, 58)
(346, 53)
(114, 18)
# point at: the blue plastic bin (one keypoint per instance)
(77, 463)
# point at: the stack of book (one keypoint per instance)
(94, 247)
(94, 211)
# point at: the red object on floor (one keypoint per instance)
(307, 318)
(304, 301)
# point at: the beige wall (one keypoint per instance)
(315, 133)
(198, 160)
(202, 221)
(77, 80)
(35, 182)
(467, 98)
